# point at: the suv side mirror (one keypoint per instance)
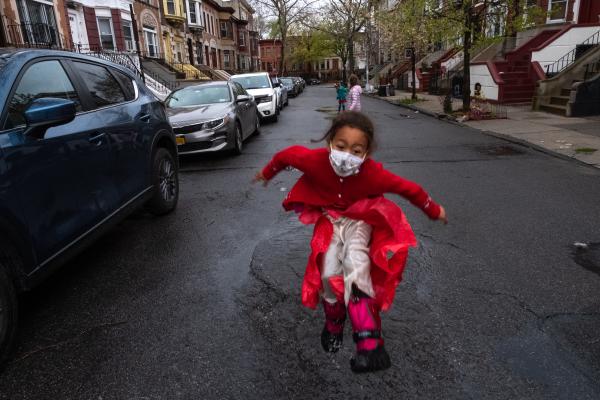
(45, 113)
(276, 84)
(242, 98)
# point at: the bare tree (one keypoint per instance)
(286, 13)
(341, 20)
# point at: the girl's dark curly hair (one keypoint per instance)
(352, 119)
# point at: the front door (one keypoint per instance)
(75, 31)
(56, 176)
(190, 48)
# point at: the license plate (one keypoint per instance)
(180, 140)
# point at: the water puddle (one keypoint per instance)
(499, 150)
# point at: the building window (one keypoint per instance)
(128, 35)
(193, 12)
(151, 47)
(242, 38)
(226, 59)
(39, 24)
(204, 14)
(171, 7)
(106, 33)
(557, 10)
(226, 29)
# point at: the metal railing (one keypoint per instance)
(32, 35)
(570, 57)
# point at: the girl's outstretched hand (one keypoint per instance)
(259, 177)
(442, 217)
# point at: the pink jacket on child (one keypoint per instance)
(354, 101)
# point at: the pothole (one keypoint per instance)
(499, 150)
(587, 255)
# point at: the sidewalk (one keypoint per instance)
(577, 138)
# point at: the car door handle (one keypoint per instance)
(145, 118)
(97, 139)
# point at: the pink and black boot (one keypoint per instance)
(333, 332)
(366, 328)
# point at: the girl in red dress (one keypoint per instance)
(361, 239)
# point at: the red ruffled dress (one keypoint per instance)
(358, 197)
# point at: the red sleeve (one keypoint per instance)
(294, 156)
(410, 191)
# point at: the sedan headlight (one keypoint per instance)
(215, 123)
(265, 99)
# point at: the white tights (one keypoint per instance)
(348, 254)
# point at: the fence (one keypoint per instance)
(31, 35)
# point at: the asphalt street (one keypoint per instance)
(205, 303)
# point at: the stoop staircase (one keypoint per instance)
(518, 77)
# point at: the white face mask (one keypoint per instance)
(345, 164)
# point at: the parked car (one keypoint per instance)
(298, 82)
(292, 87)
(282, 93)
(212, 116)
(303, 83)
(83, 144)
(314, 81)
(260, 86)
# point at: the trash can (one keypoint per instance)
(391, 91)
(382, 92)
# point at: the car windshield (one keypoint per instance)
(287, 81)
(252, 82)
(194, 96)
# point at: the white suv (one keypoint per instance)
(260, 86)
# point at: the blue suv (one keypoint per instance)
(83, 143)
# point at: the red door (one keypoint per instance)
(589, 12)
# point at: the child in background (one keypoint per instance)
(361, 239)
(342, 92)
(355, 93)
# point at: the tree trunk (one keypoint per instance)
(351, 54)
(282, 60)
(467, 61)
(513, 13)
(413, 61)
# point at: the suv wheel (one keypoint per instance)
(238, 140)
(166, 182)
(257, 125)
(8, 308)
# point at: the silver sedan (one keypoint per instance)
(212, 116)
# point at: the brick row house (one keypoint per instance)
(550, 65)
(176, 39)
(326, 68)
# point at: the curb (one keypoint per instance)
(508, 138)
